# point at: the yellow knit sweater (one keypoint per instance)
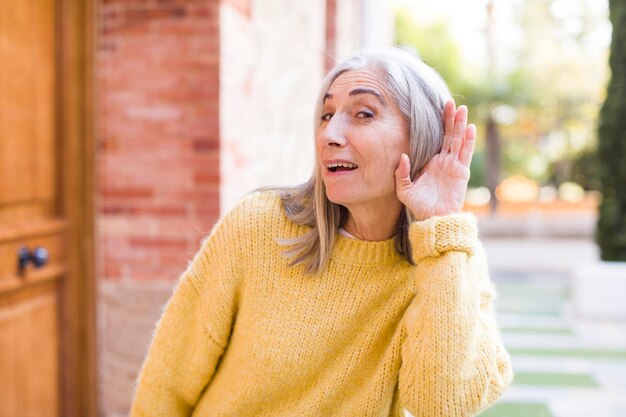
(245, 334)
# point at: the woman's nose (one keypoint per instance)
(334, 133)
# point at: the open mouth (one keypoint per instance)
(341, 166)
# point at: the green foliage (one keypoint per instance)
(554, 84)
(477, 168)
(611, 231)
(434, 45)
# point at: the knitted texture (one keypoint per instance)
(245, 334)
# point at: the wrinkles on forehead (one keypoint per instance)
(360, 82)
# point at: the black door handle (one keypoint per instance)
(38, 257)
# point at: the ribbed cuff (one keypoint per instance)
(439, 234)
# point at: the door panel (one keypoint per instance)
(30, 367)
(29, 362)
(27, 100)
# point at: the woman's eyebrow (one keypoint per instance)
(358, 91)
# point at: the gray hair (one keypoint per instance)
(420, 93)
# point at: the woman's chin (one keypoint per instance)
(340, 198)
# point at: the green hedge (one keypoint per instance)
(611, 230)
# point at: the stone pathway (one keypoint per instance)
(564, 367)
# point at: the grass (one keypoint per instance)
(554, 379)
(531, 311)
(532, 292)
(517, 410)
(537, 330)
(570, 353)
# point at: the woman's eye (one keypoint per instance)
(364, 114)
(326, 117)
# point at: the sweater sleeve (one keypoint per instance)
(192, 333)
(453, 361)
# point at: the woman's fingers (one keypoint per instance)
(468, 145)
(448, 117)
(460, 126)
(458, 137)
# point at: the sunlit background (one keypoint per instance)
(534, 75)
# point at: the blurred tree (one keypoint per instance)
(586, 170)
(562, 72)
(611, 231)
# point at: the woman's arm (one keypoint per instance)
(181, 359)
(192, 332)
(453, 362)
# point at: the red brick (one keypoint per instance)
(206, 178)
(205, 144)
(203, 12)
(128, 193)
(155, 273)
(113, 209)
(143, 14)
(157, 242)
(112, 270)
(167, 211)
(177, 259)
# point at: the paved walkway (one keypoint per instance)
(564, 366)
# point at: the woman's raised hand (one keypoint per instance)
(440, 188)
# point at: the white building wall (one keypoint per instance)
(377, 29)
(349, 18)
(271, 68)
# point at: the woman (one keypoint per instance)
(363, 292)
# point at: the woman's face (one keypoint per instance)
(360, 140)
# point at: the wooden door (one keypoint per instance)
(36, 374)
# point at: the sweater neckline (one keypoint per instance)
(365, 252)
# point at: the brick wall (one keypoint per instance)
(158, 168)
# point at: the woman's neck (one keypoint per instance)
(373, 223)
